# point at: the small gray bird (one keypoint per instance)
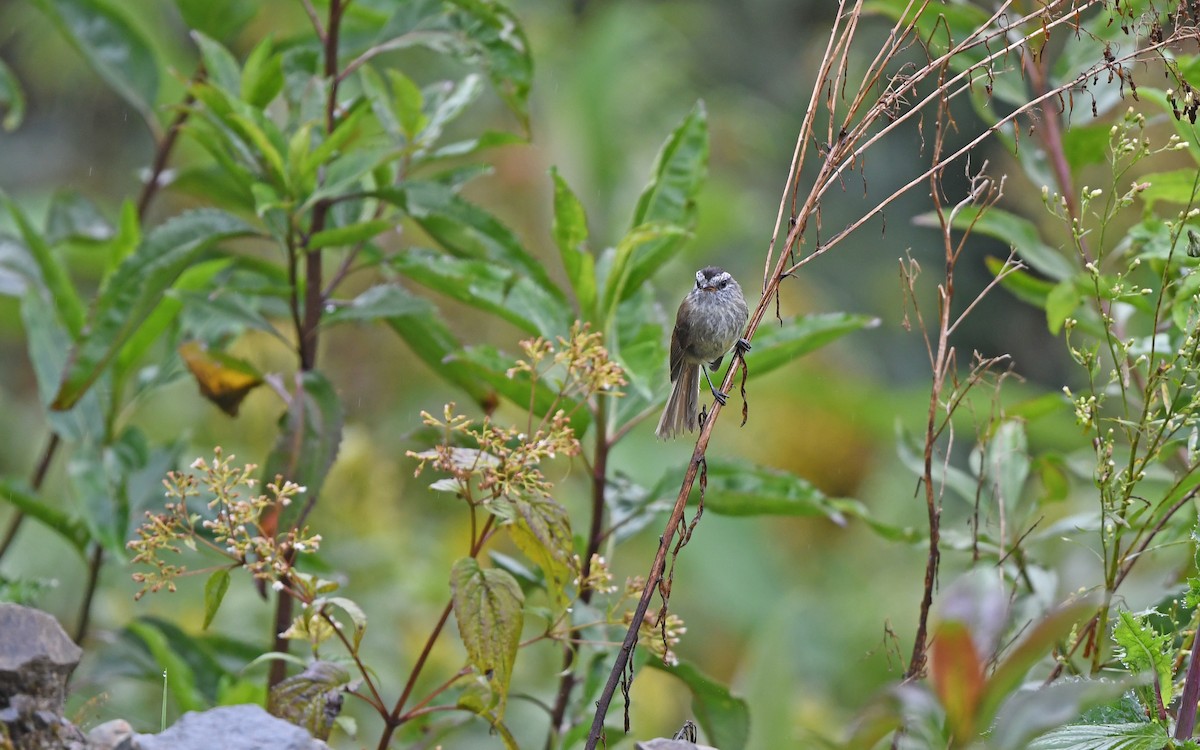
(708, 324)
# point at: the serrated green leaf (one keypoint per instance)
(1030, 712)
(135, 288)
(12, 100)
(500, 290)
(466, 230)
(498, 43)
(1135, 736)
(214, 593)
(776, 345)
(724, 717)
(112, 46)
(1141, 648)
(488, 608)
(311, 699)
(310, 433)
(679, 172)
(541, 528)
(571, 235)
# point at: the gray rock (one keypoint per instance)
(111, 735)
(247, 727)
(36, 659)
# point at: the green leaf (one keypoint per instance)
(1030, 712)
(491, 367)
(1134, 736)
(1084, 145)
(102, 501)
(724, 717)
(743, 489)
(1062, 301)
(1006, 463)
(502, 291)
(621, 269)
(357, 617)
(501, 48)
(310, 432)
(351, 234)
(12, 100)
(220, 19)
(68, 305)
(220, 67)
(67, 526)
(423, 328)
(262, 73)
(679, 171)
(407, 104)
(955, 479)
(73, 217)
(541, 528)
(49, 347)
(311, 699)
(776, 345)
(1141, 648)
(135, 288)
(488, 608)
(1180, 187)
(1019, 233)
(214, 593)
(571, 235)
(466, 230)
(181, 678)
(112, 46)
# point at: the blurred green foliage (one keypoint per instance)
(205, 214)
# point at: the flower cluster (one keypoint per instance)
(239, 528)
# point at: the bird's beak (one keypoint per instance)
(709, 288)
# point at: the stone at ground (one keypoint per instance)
(36, 659)
(247, 727)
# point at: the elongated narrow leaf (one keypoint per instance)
(74, 217)
(12, 99)
(69, 307)
(776, 345)
(743, 489)
(957, 676)
(112, 46)
(418, 322)
(724, 717)
(1022, 234)
(632, 244)
(505, 292)
(67, 526)
(49, 347)
(488, 606)
(220, 19)
(310, 432)
(132, 292)
(466, 230)
(571, 236)
(214, 593)
(670, 198)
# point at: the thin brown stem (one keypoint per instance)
(95, 562)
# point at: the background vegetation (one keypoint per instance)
(803, 603)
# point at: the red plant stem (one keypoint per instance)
(1185, 722)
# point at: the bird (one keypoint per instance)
(708, 324)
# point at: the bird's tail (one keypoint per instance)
(679, 415)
